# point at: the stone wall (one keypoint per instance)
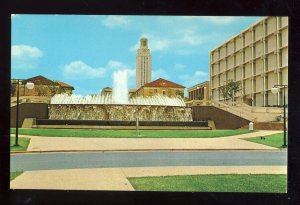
(28, 110)
(221, 118)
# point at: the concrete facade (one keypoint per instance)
(258, 58)
(143, 64)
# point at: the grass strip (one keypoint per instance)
(15, 174)
(274, 140)
(130, 133)
(22, 141)
(272, 183)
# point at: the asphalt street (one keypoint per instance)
(50, 161)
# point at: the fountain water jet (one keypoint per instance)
(120, 90)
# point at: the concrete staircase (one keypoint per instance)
(254, 114)
(236, 110)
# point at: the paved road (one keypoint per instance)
(50, 161)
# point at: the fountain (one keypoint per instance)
(120, 90)
(118, 106)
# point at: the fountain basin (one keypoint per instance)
(119, 112)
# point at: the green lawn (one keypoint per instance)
(275, 140)
(213, 183)
(130, 133)
(22, 141)
(13, 175)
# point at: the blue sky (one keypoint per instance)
(84, 50)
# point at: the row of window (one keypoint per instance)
(246, 40)
(259, 83)
(167, 92)
(270, 63)
(256, 51)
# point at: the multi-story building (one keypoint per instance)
(258, 58)
(160, 87)
(143, 64)
(199, 91)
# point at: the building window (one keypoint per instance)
(280, 40)
(280, 59)
(279, 19)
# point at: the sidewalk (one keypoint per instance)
(69, 144)
(117, 178)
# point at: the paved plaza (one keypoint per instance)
(52, 144)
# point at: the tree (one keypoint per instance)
(54, 88)
(13, 88)
(233, 88)
(41, 90)
(224, 91)
(230, 89)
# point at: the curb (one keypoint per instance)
(147, 150)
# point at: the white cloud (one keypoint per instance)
(160, 44)
(131, 73)
(179, 42)
(24, 51)
(116, 21)
(197, 77)
(117, 65)
(25, 57)
(179, 66)
(80, 70)
(192, 39)
(200, 74)
(156, 43)
(160, 73)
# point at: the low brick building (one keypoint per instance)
(42, 87)
(160, 87)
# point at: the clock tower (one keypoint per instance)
(143, 64)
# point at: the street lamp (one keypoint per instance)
(29, 85)
(275, 90)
